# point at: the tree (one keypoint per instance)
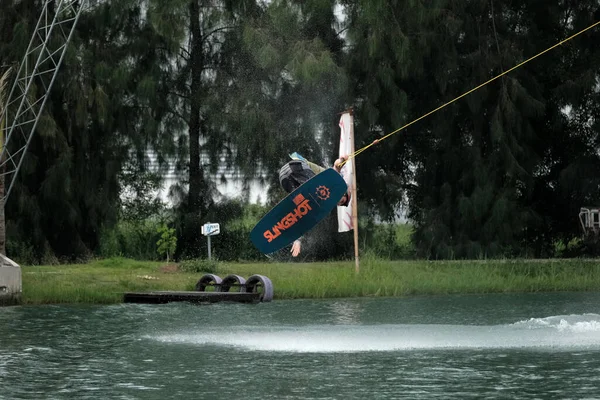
(167, 244)
(106, 107)
(569, 167)
(190, 31)
(245, 99)
(479, 173)
(280, 85)
(166, 75)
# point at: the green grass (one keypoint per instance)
(102, 281)
(105, 281)
(403, 232)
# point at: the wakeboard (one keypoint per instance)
(299, 212)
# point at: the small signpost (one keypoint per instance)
(209, 230)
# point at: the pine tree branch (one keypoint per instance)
(186, 56)
(496, 36)
(568, 15)
(177, 114)
(337, 34)
(393, 14)
(217, 30)
(169, 110)
(180, 95)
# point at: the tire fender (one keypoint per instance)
(231, 280)
(208, 280)
(262, 284)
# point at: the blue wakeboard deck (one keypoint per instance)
(299, 212)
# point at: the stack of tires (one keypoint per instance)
(254, 284)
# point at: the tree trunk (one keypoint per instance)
(194, 126)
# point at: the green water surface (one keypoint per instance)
(478, 346)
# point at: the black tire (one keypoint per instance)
(208, 280)
(260, 284)
(231, 280)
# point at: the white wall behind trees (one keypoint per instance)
(229, 183)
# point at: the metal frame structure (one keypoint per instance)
(589, 217)
(34, 81)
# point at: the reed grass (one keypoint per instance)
(105, 281)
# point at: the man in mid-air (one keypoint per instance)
(296, 172)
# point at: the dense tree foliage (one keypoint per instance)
(102, 112)
(198, 84)
(503, 171)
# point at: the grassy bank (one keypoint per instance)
(104, 281)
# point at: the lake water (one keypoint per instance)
(474, 346)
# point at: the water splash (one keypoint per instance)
(557, 333)
(573, 323)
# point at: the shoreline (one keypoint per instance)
(105, 281)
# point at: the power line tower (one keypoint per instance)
(25, 104)
(33, 83)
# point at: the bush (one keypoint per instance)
(167, 244)
(389, 241)
(131, 239)
(237, 220)
(200, 265)
(137, 239)
(24, 253)
(21, 252)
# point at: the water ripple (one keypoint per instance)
(453, 347)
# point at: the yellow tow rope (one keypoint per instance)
(357, 152)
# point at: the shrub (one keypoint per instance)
(21, 252)
(200, 265)
(131, 239)
(167, 244)
(389, 241)
(237, 219)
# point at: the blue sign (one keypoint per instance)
(211, 229)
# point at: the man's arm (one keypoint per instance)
(317, 169)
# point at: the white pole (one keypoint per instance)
(354, 199)
(208, 246)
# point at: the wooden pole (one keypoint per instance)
(354, 199)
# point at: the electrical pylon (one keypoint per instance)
(33, 83)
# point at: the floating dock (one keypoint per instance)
(163, 297)
(257, 288)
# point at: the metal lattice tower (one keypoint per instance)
(33, 82)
